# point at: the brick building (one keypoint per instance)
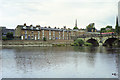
(24, 32)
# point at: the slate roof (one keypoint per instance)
(41, 28)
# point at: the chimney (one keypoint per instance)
(64, 27)
(31, 25)
(37, 25)
(24, 24)
(68, 28)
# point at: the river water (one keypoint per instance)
(59, 62)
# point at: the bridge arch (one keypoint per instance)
(109, 41)
(93, 41)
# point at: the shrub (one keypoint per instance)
(44, 39)
(4, 38)
(87, 44)
(72, 44)
(79, 42)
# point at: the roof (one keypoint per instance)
(40, 28)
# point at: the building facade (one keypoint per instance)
(4, 31)
(119, 13)
(24, 32)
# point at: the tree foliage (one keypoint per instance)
(90, 27)
(110, 27)
(9, 35)
(107, 29)
(44, 39)
(75, 28)
(79, 42)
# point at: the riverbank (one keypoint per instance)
(17, 43)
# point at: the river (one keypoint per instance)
(59, 62)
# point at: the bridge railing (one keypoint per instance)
(94, 35)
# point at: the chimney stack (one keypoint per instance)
(24, 24)
(31, 25)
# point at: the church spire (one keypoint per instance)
(117, 20)
(76, 23)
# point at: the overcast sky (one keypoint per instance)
(58, 13)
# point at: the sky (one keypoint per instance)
(58, 13)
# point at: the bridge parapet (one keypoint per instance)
(99, 37)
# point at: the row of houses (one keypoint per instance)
(24, 32)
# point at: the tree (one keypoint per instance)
(75, 27)
(91, 28)
(79, 42)
(110, 27)
(103, 30)
(44, 39)
(9, 36)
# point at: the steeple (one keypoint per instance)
(117, 20)
(76, 23)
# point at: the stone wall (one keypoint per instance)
(35, 43)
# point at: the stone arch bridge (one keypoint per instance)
(99, 39)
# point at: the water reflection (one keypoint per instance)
(74, 62)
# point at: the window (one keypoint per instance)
(43, 34)
(59, 34)
(37, 28)
(67, 35)
(35, 37)
(31, 28)
(32, 32)
(49, 35)
(25, 36)
(53, 34)
(38, 35)
(24, 27)
(49, 32)
(25, 32)
(21, 37)
(28, 37)
(63, 34)
(32, 36)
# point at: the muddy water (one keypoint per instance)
(59, 62)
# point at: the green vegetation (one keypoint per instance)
(80, 42)
(44, 39)
(9, 36)
(91, 28)
(4, 38)
(116, 43)
(75, 27)
(107, 29)
(87, 44)
(103, 30)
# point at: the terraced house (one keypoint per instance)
(24, 32)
